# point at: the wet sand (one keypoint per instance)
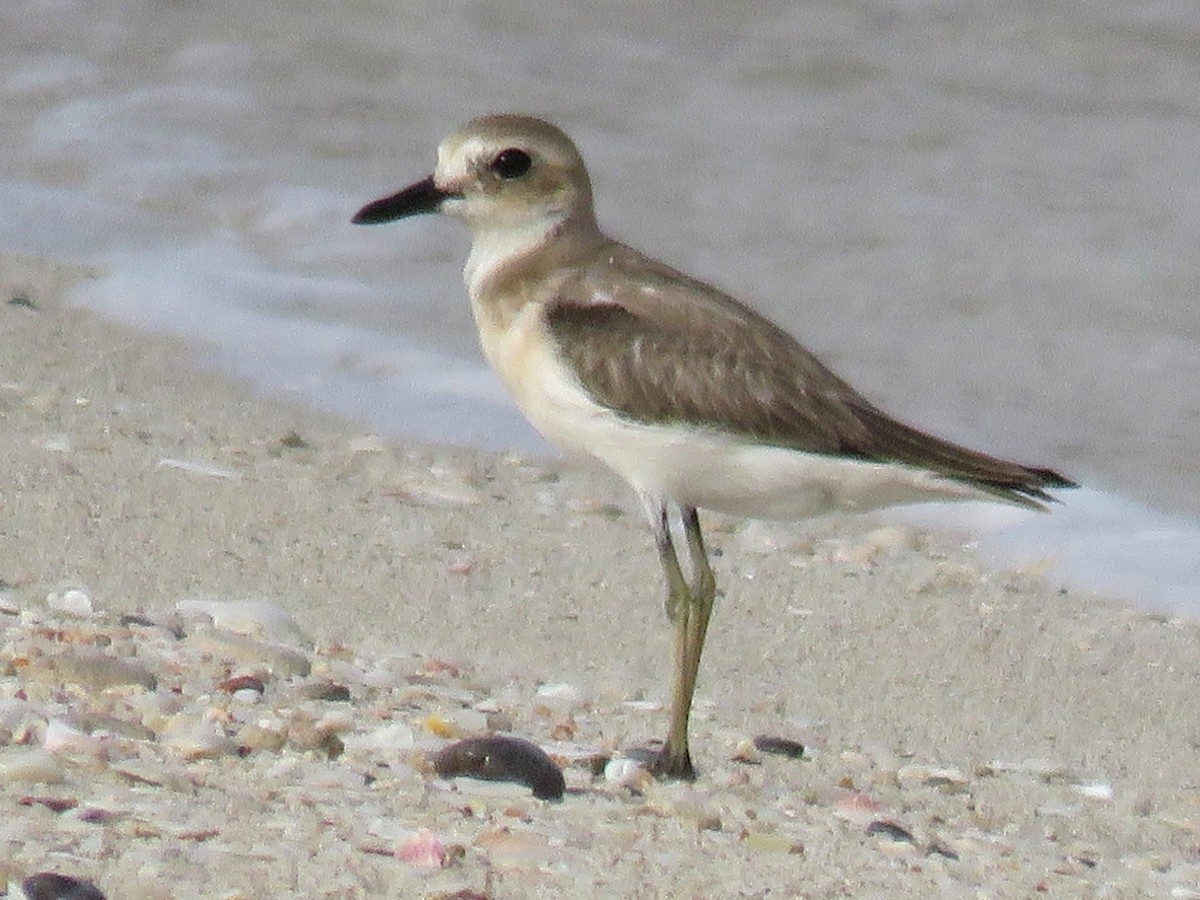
(968, 732)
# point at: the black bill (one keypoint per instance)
(422, 197)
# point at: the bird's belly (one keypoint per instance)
(721, 472)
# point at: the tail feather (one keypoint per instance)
(1012, 481)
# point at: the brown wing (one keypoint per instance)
(667, 349)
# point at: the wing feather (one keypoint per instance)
(658, 347)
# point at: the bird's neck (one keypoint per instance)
(498, 254)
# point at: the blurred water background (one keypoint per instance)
(984, 215)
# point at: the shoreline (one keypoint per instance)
(1063, 726)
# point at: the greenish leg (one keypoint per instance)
(689, 608)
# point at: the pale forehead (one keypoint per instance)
(457, 154)
(483, 138)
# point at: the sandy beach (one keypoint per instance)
(232, 632)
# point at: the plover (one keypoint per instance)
(693, 398)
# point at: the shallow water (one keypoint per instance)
(984, 215)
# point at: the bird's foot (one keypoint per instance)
(668, 763)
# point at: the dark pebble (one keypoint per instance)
(782, 746)
(57, 804)
(51, 886)
(937, 848)
(498, 758)
(242, 683)
(324, 690)
(890, 829)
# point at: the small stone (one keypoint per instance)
(29, 766)
(780, 746)
(51, 886)
(890, 829)
(324, 690)
(54, 804)
(322, 734)
(73, 602)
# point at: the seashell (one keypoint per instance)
(1047, 770)
(388, 739)
(239, 683)
(194, 739)
(628, 773)
(250, 652)
(747, 752)
(62, 738)
(773, 843)
(1096, 790)
(423, 849)
(457, 724)
(561, 691)
(258, 737)
(197, 468)
(500, 758)
(93, 669)
(684, 802)
(514, 849)
(255, 618)
(855, 806)
(73, 602)
(948, 781)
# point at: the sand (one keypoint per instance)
(969, 732)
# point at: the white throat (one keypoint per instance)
(494, 248)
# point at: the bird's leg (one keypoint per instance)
(689, 607)
(704, 583)
(660, 524)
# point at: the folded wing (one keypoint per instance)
(667, 349)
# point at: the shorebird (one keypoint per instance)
(693, 398)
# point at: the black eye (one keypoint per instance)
(511, 163)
